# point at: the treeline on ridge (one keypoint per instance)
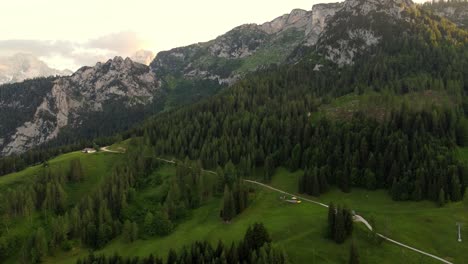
(254, 248)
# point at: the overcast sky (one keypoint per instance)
(71, 33)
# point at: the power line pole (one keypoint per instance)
(459, 232)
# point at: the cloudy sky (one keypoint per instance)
(70, 33)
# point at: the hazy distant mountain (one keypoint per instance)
(25, 66)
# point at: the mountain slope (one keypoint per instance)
(25, 66)
(455, 11)
(245, 48)
(119, 88)
(271, 117)
(340, 33)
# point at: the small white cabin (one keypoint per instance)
(88, 150)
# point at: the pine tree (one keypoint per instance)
(269, 168)
(163, 226)
(229, 210)
(256, 236)
(348, 222)
(134, 231)
(171, 257)
(354, 254)
(315, 184)
(331, 220)
(441, 200)
(40, 244)
(127, 231)
(295, 161)
(462, 132)
(340, 234)
(149, 224)
(455, 186)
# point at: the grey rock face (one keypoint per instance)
(247, 47)
(455, 12)
(86, 91)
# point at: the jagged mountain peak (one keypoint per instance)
(297, 18)
(75, 98)
(117, 64)
(364, 7)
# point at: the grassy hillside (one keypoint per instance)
(96, 167)
(423, 224)
(299, 229)
(380, 105)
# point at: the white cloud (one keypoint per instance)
(72, 55)
(125, 42)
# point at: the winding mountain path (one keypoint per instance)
(106, 149)
(356, 218)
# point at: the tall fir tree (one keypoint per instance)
(228, 209)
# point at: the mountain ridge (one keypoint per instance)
(22, 66)
(89, 90)
(335, 33)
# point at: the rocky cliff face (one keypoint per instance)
(457, 12)
(86, 92)
(247, 47)
(340, 31)
(25, 66)
(357, 26)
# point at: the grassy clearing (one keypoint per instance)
(95, 167)
(298, 229)
(379, 105)
(419, 224)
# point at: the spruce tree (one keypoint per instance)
(163, 226)
(348, 222)
(315, 184)
(354, 254)
(40, 244)
(171, 257)
(331, 220)
(340, 233)
(441, 200)
(228, 210)
(127, 231)
(149, 224)
(269, 168)
(455, 187)
(134, 232)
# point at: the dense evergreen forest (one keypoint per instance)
(270, 118)
(113, 209)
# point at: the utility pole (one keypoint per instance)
(459, 232)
